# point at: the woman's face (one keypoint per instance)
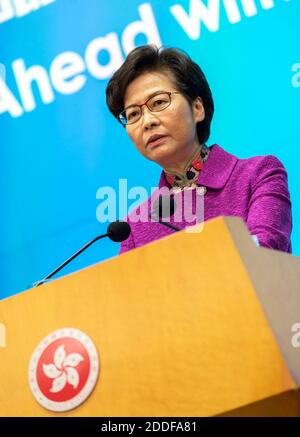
(177, 122)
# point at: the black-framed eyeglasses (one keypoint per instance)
(155, 103)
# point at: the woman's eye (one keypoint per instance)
(132, 115)
(159, 102)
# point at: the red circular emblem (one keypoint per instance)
(63, 370)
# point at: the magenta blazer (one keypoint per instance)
(255, 189)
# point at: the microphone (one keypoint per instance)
(117, 231)
(164, 207)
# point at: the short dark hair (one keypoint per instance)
(189, 80)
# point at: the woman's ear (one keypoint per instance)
(198, 110)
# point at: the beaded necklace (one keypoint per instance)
(193, 167)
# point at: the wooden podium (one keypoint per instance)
(194, 324)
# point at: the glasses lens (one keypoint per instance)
(132, 114)
(122, 118)
(159, 102)
(155, 104)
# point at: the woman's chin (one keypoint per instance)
(160, 154)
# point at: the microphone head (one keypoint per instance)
(118, 231)
(164, 206)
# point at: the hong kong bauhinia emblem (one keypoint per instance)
(63, 370)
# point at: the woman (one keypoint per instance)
(163, 100)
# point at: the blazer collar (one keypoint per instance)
(216, 170)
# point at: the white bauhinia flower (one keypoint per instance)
(73, 360)
(59, 383)
(51, 371)
(59, 356)
(63, 370)
(72, 376)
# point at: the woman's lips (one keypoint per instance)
(157, 142)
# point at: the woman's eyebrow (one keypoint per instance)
(147, 98)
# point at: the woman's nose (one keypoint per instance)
(149, 118)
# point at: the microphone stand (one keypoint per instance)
(41, 281)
